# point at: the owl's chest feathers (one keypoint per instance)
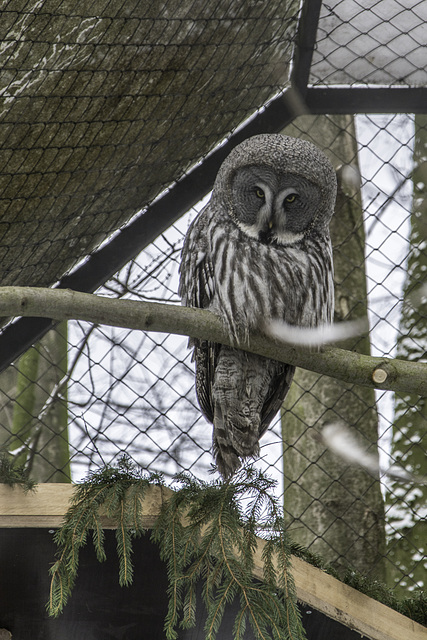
(255, 282)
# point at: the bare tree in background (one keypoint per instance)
(34, 413)
(334, 510)
(406, 504)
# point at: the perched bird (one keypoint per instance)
(259, 251)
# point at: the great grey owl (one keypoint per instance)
(259, 251)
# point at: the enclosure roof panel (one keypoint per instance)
(104, 104)
(371, 42)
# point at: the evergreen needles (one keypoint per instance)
(13, 474)
(207, 535)
(115, 492)
(413, 606)
(207, 532)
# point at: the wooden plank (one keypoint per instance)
(347, 605)
(48, 501)
(47, 505)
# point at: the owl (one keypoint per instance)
(259, 251)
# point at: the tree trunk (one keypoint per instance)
(334, 510)
(406, 504)
(39, 442)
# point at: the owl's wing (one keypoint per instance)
(206, 356)
(196, 286)
(196, 289)
(277, 392)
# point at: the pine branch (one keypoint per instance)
(381, 373)
(206, 532)
(217, 544)
(12, 473)
(114, 492)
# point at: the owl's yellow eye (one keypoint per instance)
(291, 197)
(260, 193)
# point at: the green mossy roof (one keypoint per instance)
(104, 104)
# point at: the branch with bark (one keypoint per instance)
(57, 304)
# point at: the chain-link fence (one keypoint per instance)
(87, 159)
(379, 42)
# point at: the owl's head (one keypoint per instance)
(276, 188)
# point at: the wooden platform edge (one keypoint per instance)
(47, 506)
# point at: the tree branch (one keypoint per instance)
(58, 304)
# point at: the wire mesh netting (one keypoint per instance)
(378, 41)
(103, 112)
(132, 392)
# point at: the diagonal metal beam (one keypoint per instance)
(130, 241)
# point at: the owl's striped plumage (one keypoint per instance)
(259, 251)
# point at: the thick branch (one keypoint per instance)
(58, 304)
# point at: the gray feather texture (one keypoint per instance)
(259, 251)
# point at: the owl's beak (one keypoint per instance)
(266, 235)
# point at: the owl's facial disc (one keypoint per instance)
(273, 208)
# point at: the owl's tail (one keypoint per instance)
(226, 457)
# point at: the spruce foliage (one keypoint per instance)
(206, 532)
(115, 492)
(413, 606)
(12, 473)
